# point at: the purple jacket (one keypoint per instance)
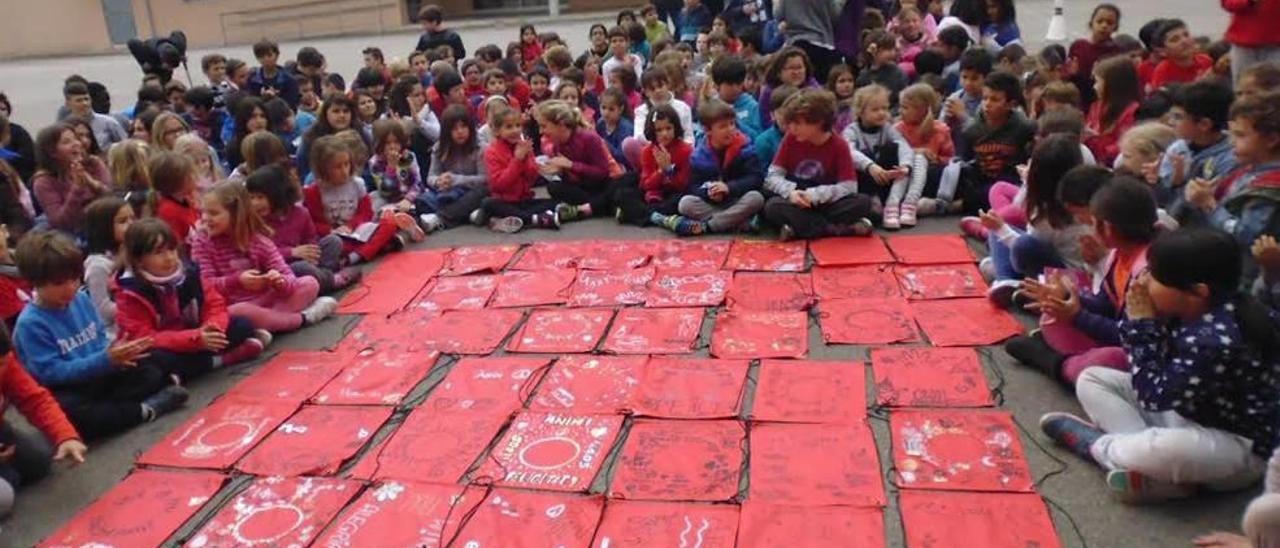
(590, 164)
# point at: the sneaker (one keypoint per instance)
(1072, 432)
(321, 308)
(1023, 300)
(399, 243)
(908, 217)
(972, 227)
(409, 225)
(547, 219)
(1132, 487)
(431, 222)
(755, 223)
(786, 233)
(478, 217)
(265, 337)
(891, 220)
(567, 213)
(166, 400)
(684, 226)
(248, 350)
(1034, 352)
(987, 267)
(506, 225)
(346, 277)
(1001, 292)
(926, 207)
(862, 227)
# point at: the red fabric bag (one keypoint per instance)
(654, 331)
(487, 385)
(561, 330)
(276, 512)
(958, 450)
(468, 331)
(615, 255)
(810, 391)
(867, 321)
(552, 451)
(393, 283)
(943, 281)
(688, 288)
(691, 388)
(815, 465)
(512, 518)
(399, 513)
(680, 460)
(315, 441)
(377, 377)
(470, 260)
(551, 256)
(766, 256)
(144, 509)
(611, 287)
(520, 288)
(765, 525)
(590, 384)
(454, 293)
(961, 520)
(850, 251)
(770, 292)
(964, 322)
(929, 377)
(690, 255)
(930, 249)
(292, 375)
(219, 435)
(637, 524)
(751, 335)
(854, 282)
(437, 445)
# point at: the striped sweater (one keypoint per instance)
(221, 264)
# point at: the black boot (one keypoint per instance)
(1034, 352)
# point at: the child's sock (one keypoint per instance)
(546, 219)
(656, 218)
(1132, 487)
(319, 309)
(346, 277)
(584, 210)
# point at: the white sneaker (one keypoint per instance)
(431, 222)
(321, 308)
(263, 337)
(987, 267)
(506, 225)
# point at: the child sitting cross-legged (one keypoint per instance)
(274, 194)
(99, 382)
(456, 183)
(28, 454)
(163, 299)
(724, 185)
(339, 203)
(240, 262)
(664, 171)
(812, 176)
(1200, 406)
(509, 160)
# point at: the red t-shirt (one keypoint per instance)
(1168, 72)
(814, 165)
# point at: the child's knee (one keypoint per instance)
(306, 287)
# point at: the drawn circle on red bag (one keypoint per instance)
(260, 525)
(219, 437)
(550, 453)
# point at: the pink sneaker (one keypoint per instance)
(407, 223)
(891, 220)
(972, 227)
(248, 350)
(908, 218)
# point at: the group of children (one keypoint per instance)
(1115, 202)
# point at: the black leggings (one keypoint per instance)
(600, 194)
(112, 403)
(524, 210)
(189, 365)
(635, 210)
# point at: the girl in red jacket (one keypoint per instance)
(664, 170)
(509, 160)
(24, 458)
(174, 184)
(1116, 82)
(1252, 33)
(164, 299)
(339, 203)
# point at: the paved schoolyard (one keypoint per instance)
(1073, 486)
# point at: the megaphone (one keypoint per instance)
(1057, 24)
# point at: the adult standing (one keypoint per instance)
(1252, 33)
(810, 26)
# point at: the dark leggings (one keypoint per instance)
(31, 456)
(635, 210)
(191, 365)
(455, 208)
(831, 219)
(112, 403)
(524, 210)
(600, 194)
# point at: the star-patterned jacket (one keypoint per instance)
(1206, 372)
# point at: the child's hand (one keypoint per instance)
(879, 175)
(955, 109)
(1179, 164)
(1137, 301)
(1062, 309)
(1199, 192)
(6, 452)
(1151, 171)
(560, 162)
(127, 353)
(800, 199)
(718, 191)
(213, 339)
(275, 279)
(445, 181)
(251, 280)
(307, 252)
(72, 450)
(990, 220)
(929, 155)
(343, 230)
(404, 206)
(1023, 170)
(661, 156)
(1267, 253)
(523, 149)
